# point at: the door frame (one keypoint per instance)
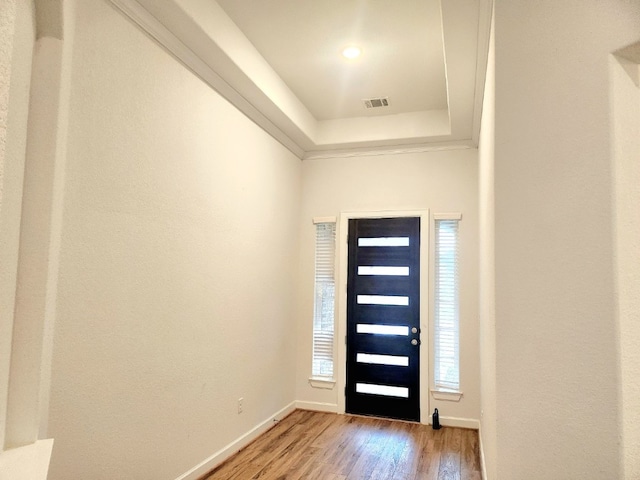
(341, 299)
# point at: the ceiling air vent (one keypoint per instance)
(376, 102)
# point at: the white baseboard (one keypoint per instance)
(221, 455)
(446, 421)
(317, 406)
(483, 465)
(460, 422)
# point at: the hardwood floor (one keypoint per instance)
(325, 446)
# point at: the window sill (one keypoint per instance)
(448, 395)
(320, 382)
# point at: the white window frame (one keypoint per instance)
(320, 316)
(441, 390)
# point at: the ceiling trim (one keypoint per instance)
(390, 150)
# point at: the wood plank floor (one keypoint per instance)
(325, 446)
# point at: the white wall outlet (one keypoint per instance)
(240, 404)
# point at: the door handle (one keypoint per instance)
(415, 330)
(415, 341)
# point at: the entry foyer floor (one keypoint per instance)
(325, 446)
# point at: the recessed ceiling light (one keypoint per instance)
(351, 52)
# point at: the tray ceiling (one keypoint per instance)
(280, 62)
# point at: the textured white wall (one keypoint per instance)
(7, 24)
(626, 134)
(17, 36)
(444, 181)
(177, 266)
(556, 341)
(487, 269)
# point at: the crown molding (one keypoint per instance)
(390, 150)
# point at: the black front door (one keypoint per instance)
(383, 318)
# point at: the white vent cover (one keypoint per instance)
(376, 102)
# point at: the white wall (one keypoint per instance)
(556, 341)
(17, 37)
(177, 269)
(487, 270)
(442, 181)
(626, 134)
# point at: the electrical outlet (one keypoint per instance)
(240, 404)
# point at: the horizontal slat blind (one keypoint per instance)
(447, 354)
(323, 318)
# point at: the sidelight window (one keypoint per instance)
(324, 308)
(446, 319)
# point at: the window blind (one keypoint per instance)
(323, 318)
(447, 354)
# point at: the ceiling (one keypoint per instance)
(280, 62)
(402, 59)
